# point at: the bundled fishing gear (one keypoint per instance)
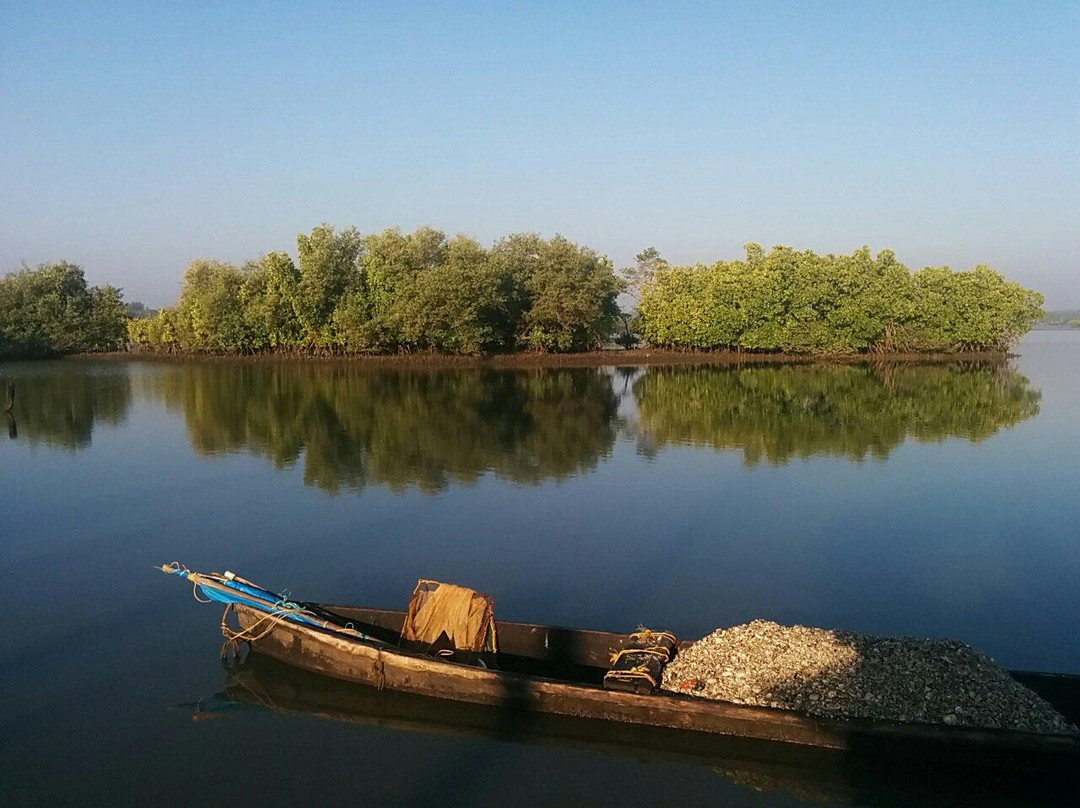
(232, 590)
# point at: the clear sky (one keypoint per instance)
(136, 137)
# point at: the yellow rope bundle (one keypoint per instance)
(648, 637)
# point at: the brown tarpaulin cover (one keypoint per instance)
(467, 617)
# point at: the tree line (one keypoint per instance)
(50, 311)
(1059, 318)
(801, 302)
(393, 292)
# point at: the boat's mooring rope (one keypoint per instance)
(251, 633)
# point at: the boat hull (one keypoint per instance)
(520, 696)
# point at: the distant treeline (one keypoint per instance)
(802, 302)
(396, 292)
(137, 310)
(1069, 317)
(50, 311)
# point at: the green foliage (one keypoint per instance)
(558, 295)
(571, 292)
(49, 311)
(329, 272)
(802, 302)
(211, 310)
(269, 296)
(408, 292)
(451, 307)
(106, 327)
(393, 292)
(976, 310)
(161, 333)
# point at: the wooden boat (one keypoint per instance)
(804, 773)
(552, 671)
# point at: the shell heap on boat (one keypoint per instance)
(847, 675)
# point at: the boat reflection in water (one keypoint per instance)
(258, 683)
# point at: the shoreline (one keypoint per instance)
(640, 357)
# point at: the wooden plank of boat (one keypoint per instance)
(557, 650)
(269, 683)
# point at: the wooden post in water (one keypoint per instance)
(13, 431)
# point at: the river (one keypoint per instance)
(928, 500)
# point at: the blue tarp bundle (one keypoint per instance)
(229, 589)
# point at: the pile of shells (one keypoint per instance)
(846, 675)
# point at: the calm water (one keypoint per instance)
(936, 501)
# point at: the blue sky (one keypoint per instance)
(136, 137)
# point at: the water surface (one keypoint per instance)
(926, 500)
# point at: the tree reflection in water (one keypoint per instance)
(358, 427)
(59, 403)
(777, 413)
(352, 427)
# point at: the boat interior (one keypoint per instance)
(584, 657)
(551, 652)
